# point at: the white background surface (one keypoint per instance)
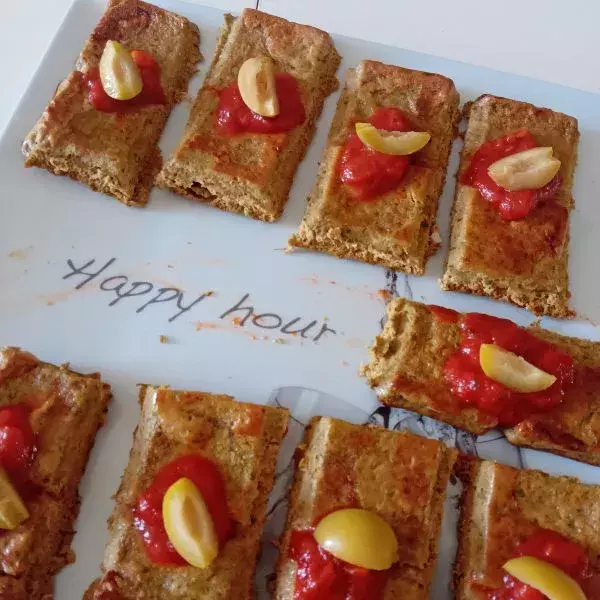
(551, 40)
(176, 242)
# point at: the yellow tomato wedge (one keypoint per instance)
(189, 525)
(256, 82)
(398, 143)
(544, 577)
(527, 170)
(12, 509)
(513, 370)
(359, 537)
(119, 75)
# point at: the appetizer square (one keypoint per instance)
(254, 116)
(191, 506)
(49, 417)
(102, 130)
(374, 498)
(510, 239)
(478, 372)
(373, 201)
(512, 514)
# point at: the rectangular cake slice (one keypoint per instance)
(399, 476)
(506, 512)
(251, 171)
(49, 417)
(397, 227)
(114, 148)
(241, 441)
(410, 368)
(523, 261)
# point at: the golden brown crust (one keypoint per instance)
(523, 261)
(398, 229)
(252, 173)
(502, 506)
(406, 370)
(243, 440)
(67, 411)
(400, 476)
(116, 154)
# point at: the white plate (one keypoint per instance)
(46, 221)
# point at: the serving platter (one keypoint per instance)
(182, 294)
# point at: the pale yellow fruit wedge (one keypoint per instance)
(256, 82)
(513, 370)
(359, 537)
(189, 525)
(119, 75)
(528, 170)
(398, 143)
(12, 509)
(544, 577)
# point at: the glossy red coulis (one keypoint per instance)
(553, 548)
(17, 446)
(233, 116)
(152, 92)
(468, 382)
(510, 205)
(446, 315)
(147, 513)
(368, 173)
(321, 576)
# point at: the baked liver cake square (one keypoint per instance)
(243, 440)
(400, 476)
(116, 153)
(252, 173)
(523, 261)
(503, 507)
(398, 229)
(65, 410)
(407, 370)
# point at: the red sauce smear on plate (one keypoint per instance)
(509, 205)
(468, 382)
(152, 92)
(321, 575)
(147, 513)
(233, 116)
(368, 173)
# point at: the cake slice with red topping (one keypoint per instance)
(103, 124)
(524, 535)
(365, 514)
(190, 510)
(478, 372)
(510, 220)
(384, 168)
(255, 115)
(49, 417)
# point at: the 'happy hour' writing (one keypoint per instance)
(146, 295)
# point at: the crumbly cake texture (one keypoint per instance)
(400, 476)
(116, 154)
(252, 173)
(524, 262)
(503, 506)
(67, 410)
(174, 423)
(397, 230)
(407, 370)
